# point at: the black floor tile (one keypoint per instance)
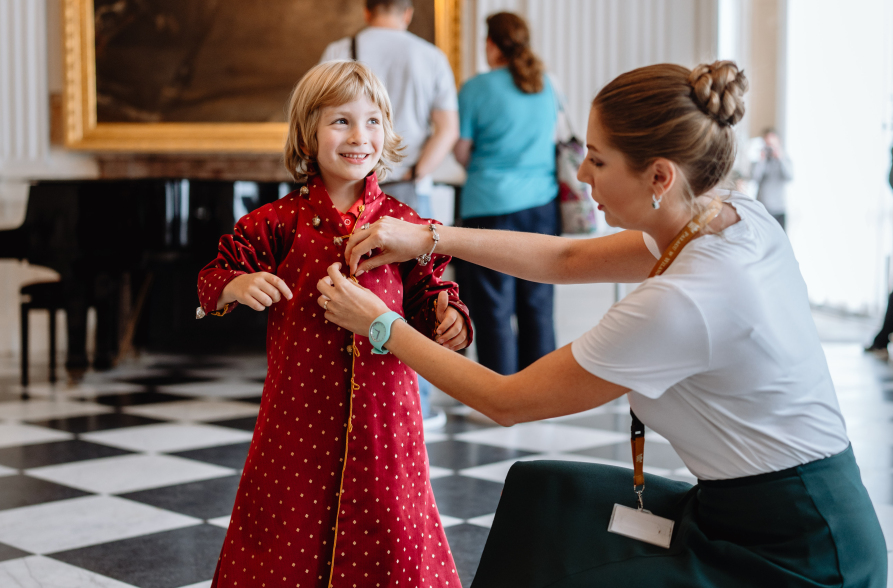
(21, 490)
(458, 496)
(657, 455)
(95, 422)
(457, 455)
(166, 380)
(252, 399)
(44, 454)
(161, 560)
(245, 423)
(231, 456)
(136, 398)
(467, 543)
(608, 422)
(206, 499)
(7, 552)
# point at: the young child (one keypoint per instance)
(335, 490)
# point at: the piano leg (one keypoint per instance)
(52, 312)
(24, 351)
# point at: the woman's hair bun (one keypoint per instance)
(718, 89)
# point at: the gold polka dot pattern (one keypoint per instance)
(335, 490)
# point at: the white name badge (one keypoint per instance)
(641, 525)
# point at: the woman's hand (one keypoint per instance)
(347, 304)
(398, 240)
(258, 291)
(452, 332)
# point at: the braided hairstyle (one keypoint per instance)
(672, 112)
(510, 34)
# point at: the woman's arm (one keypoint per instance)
(462, 151)
(555, 385)
(621, 257)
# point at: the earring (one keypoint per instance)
(655, 201)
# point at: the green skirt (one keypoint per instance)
(811, 525)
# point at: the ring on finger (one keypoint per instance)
(364, 227)
(325, 306)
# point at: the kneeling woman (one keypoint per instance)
(716, 349)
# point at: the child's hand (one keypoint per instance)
(258, 291)
(452, 332)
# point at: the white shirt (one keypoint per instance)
(417, 76)
(722, 356)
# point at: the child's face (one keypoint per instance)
(350, 139)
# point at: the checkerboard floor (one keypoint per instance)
(128, 480)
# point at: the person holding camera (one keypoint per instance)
(771, 174)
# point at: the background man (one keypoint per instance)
(422, 88)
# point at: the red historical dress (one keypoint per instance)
(335, 490)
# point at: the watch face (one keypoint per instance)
(376, 332)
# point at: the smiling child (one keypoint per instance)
(335, 490)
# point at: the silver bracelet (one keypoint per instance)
(425, 258)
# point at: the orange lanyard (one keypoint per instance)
(637, 430)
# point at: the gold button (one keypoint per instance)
(350, 348)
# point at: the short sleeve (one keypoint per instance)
(444, 86)
(339, 49)
(466, 111)
(649, 341)
(651, 244)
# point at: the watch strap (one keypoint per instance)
(383, 322)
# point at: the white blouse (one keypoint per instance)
(722, 355)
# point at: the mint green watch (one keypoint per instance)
(380, 331)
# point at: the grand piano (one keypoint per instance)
(132, 249)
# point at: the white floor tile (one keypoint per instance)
(81, 390)
(435, 472)
(485, 521)
(435, 437)
(205, 584)
(216, 389)
(5, 471)
(129, 473)
(222, 522)
(35, 410)
(885, 516)
(448, 521)
(166, 437)
(195, 410)
(37, 571)
(79, 522)
(15, 434)
(543, 437)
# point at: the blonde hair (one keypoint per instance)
(685, 116)
(334, 83)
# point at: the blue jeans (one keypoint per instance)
(493, 297)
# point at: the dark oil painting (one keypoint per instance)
(216, 61)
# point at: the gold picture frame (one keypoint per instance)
(83, 131)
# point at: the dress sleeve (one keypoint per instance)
(421, 285)
(255, 246)
(649, 341)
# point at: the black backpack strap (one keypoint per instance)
(353, 48)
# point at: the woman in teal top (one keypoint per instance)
(507, 122)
